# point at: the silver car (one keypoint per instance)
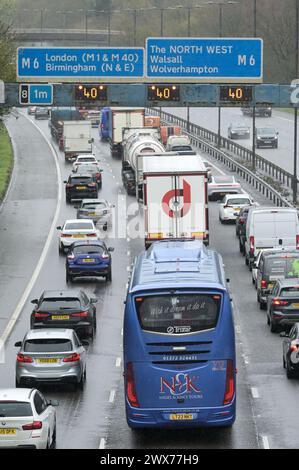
(51, 356)
(98, 210)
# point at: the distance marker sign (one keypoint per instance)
(76, 63)
(205, 59)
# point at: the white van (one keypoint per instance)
(270, 227)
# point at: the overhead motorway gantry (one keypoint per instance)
(150, 95)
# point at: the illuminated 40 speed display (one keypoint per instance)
(89, 92)
(163, 93)
(236, 93)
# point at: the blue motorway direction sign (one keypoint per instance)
(76, 63)
(36, 94)
(205, 59)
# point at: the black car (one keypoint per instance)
(290, 351)
(273, 265)
(283, 304)
(264, 111)
(65, 309)
(129, 183)
(41, 113)
(266, 137)
(81, 186)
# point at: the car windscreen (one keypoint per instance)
(88, 250)
(290, 291)
(78, 226)
(81, 180)
(94, 205)
(87, 168)
(48, 345)
(265, 131)
(178, 314)
(85, 159)
(180, 148)
(66, 303)
(238, 201)
(15, 409)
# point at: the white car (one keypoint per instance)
(27, 419)
(85, 158)
(231, 205)
(220, 185)
(75, 230)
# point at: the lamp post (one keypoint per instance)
(296, 109)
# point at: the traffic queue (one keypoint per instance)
(178, 319)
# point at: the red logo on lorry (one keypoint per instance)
(185, 193)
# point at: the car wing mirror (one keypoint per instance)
(53, 403)
(85, 342)
(59, 227)
(93, 300)
(284, 334)
(18, 344)
(110, 249)
(34, 301)
(65, 182)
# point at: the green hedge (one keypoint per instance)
(6, 160)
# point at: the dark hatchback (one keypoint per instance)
(290, 351)
(283, 304)
(89, 259)
(273, 265)
(81, 186)
(65, 309)
(129, 183)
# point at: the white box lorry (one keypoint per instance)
(175, 198)
(119, 118)
(77, 138)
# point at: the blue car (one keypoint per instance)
(88, 259)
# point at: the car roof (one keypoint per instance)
(49, 333)
(84, 155)
(83, 221)
(80, 175)
(278, 252)
(92, 201)
(291, 281)
(238, 196)
(16, 394)
(61, 293)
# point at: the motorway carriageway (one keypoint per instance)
(94, 418)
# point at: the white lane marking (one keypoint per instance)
(128, 253)
(112, 396)
(102, 443)
(118, 362)
(122, 332)
(265, 441)
(255, 392)
(43, 256)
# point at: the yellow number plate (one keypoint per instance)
(47, 361)
(181, 417)
(295, 305)
(79, 235)
(89, 260)
(80, 187)
(8, 432)
(60, 317)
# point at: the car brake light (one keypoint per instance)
(230, 383)
(80, 314)
(131, 392)
(105, 256)
(24, 359)
(40, 315)
(251, 241)
(92, 234)
(72, 358)
(32, 426)
(276, 301)
(242, 221)
(64, 235)
(297, 242)
(227, 206)
(91, 185)
(71, 257)
(263, 284)
(69, 185)
(294, 346)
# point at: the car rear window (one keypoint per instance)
(48, 345)
(224, 179)
(284, 266)
(94, 205)
(88, 249)
(292, 291)
(238, 202)
(14, 409)
(81, 180)
(85, 159)
(178, 314)
(60, 303)
(79, 226)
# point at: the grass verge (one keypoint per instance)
(6, 160)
